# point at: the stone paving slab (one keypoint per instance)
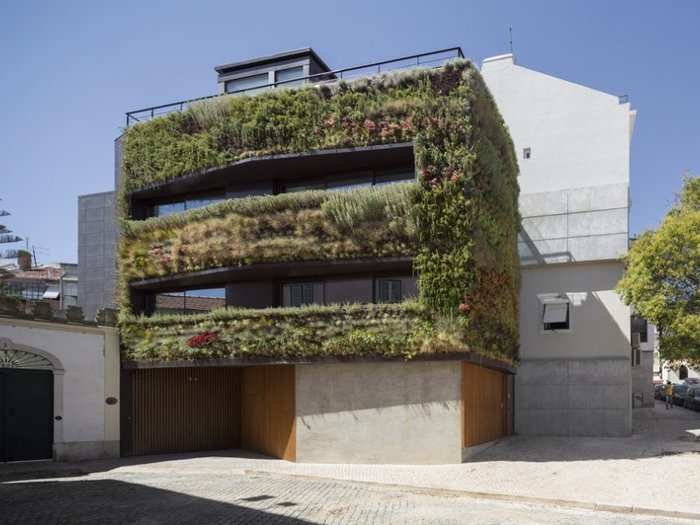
(630, 472)
(183, 496)
(623, 472)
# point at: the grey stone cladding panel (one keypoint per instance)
(573, 397)
(97, 236)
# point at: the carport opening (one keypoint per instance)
(193, 409)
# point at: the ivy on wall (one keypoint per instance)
(460, 220)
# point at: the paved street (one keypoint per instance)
(172, 497)
(238, 487)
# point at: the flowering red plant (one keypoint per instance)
(202, 339)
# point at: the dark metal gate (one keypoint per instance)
(26, 414)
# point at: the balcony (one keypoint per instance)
(258, 237)
(429, 59)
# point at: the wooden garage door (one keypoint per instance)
(484, 396)
(268, 422)
(185, 409)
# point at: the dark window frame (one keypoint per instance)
(304, 291)
(394, 292)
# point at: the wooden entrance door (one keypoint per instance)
(484, 400)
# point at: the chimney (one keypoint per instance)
(24, 260)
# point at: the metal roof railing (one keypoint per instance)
(434, 58)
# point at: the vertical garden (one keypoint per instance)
(458, 221)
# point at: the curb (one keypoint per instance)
(563, 503)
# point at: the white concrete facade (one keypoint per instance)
(85, 364)
(383, 412)
(573, 145)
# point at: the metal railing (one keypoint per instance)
(434, 58)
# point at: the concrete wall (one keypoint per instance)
(576, 382)
(642, 380)
(578, 136)
(86, 373)
(97, 239)
(573, 397)
(379, 413)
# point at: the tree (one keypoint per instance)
(662, 277)
(6, 237)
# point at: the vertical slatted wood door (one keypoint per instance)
(186, 409)
(483, 404)
(268, 411)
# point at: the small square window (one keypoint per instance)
(555, 316)
(388, 290)
(527, 152)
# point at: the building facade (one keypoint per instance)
(60, 385)
(574, 375)
(53, 283)
(573, 147)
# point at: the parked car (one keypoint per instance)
(679, 392)
(659, 391)
(692, 381)
(692, 398)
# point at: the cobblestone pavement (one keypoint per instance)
(184, 497)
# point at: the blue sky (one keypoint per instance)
(69, 70)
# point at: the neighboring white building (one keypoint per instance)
(573, 148)
(60, 390)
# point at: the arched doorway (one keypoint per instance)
(26, 402)
(683, 372)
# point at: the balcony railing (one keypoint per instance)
(431, 58)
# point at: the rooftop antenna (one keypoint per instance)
(510, 34)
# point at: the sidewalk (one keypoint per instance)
(637, 471)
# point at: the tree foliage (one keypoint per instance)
(663, 275)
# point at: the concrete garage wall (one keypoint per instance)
(573, 397)
(576, 382)
(85, 375)
(379, 413)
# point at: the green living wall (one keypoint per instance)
(459, 221)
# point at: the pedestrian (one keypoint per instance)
(669, 395)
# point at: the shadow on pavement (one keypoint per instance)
(118, 502)
(29, 470)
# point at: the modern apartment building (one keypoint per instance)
(295, 196)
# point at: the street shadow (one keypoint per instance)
(29, 470)
(116, 502)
